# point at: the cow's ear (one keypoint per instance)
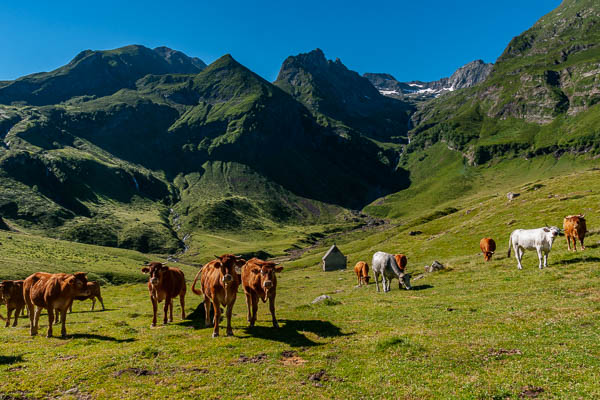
(145, 270)
(546, 230)
(278, 269)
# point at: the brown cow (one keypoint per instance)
(361, 269)
(219, 281)
(488, 247)
(401, 261)
(11, 294)
(54, 292)
(94, 292)
(574, 227)
(165, 283)
(259, 281)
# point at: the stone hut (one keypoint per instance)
(334, 259)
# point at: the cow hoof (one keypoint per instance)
(215, 334)
(153, 325)
(229, 334)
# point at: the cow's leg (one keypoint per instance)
(540, 256)
(272, 309)
(575, 243)
(545, 259)
(31, 314)
(70, 309)
(101, 302)
(171, 310)
(154, 309)
(581, 240)
(50, 320)
(376, 280)
(182, 303)
(63, 317)
(166, 309)
(254, 308)
(383, 283)
(38, 314)
(217, 309)
(229, 314)
(206, 311)
(57, 315)
(17, 313)
(249, 307)
(519, 255)
(93, 303)
(9, 311)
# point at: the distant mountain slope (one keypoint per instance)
(330, 90)
(466, 76)
(97, 73)
(218, 149)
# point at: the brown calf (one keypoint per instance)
(11, 294)
(94, 288)
(401, 260)
(488, 247)
(575, 228)
(259, 281)
(361, 269)
(219, 283)
(165, 283)
(55, 293)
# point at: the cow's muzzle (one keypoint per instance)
(268, 284)
(227, 278)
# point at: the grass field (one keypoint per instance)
(475, 331)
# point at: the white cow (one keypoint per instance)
(540, 240)
(384, 264)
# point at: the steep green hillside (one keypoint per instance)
(540, 98)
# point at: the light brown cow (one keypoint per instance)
(11, 294)
(165, 283)
(488, 247)
(260, 282)
(55, 293)
(94, 288)
(219, 281)
(361, 269)
(575, 228)
(401, 261)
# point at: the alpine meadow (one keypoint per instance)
(136, 165)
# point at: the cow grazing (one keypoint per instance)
(94, 288)
(260, 282)
(11, 294)
(165, 283)
(401, 261)
(540, 240)
(219, 282)
(488, 247)
(361, 269)
(575, 228)
(55, 293)
(384, 264)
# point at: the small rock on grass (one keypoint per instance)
(321, 298)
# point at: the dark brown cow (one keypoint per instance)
(165, 283)
(401, 261)
(361, 269)
(11, 294)
(55, 293)
(219, 281)
(575, 228)
(488, 247)
(94, 292)
(260, 282)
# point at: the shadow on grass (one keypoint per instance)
(290, 332)
(580, 259)
(196, 318)
(99, 337)
(422, 287)
(94, 311)
(5, 360)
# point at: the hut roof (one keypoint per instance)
(333, 249)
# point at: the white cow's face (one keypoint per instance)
(554, 231)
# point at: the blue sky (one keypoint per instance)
(420, 40)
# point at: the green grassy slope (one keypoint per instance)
(479, 330)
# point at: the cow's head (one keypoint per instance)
(79, 282)
(156, 271)
(266, 273)
(553, 231)
(366, 279)
(487, 256)
(229, 265)
(404, 281)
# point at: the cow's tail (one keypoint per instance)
(509, 245)
(199, 292)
